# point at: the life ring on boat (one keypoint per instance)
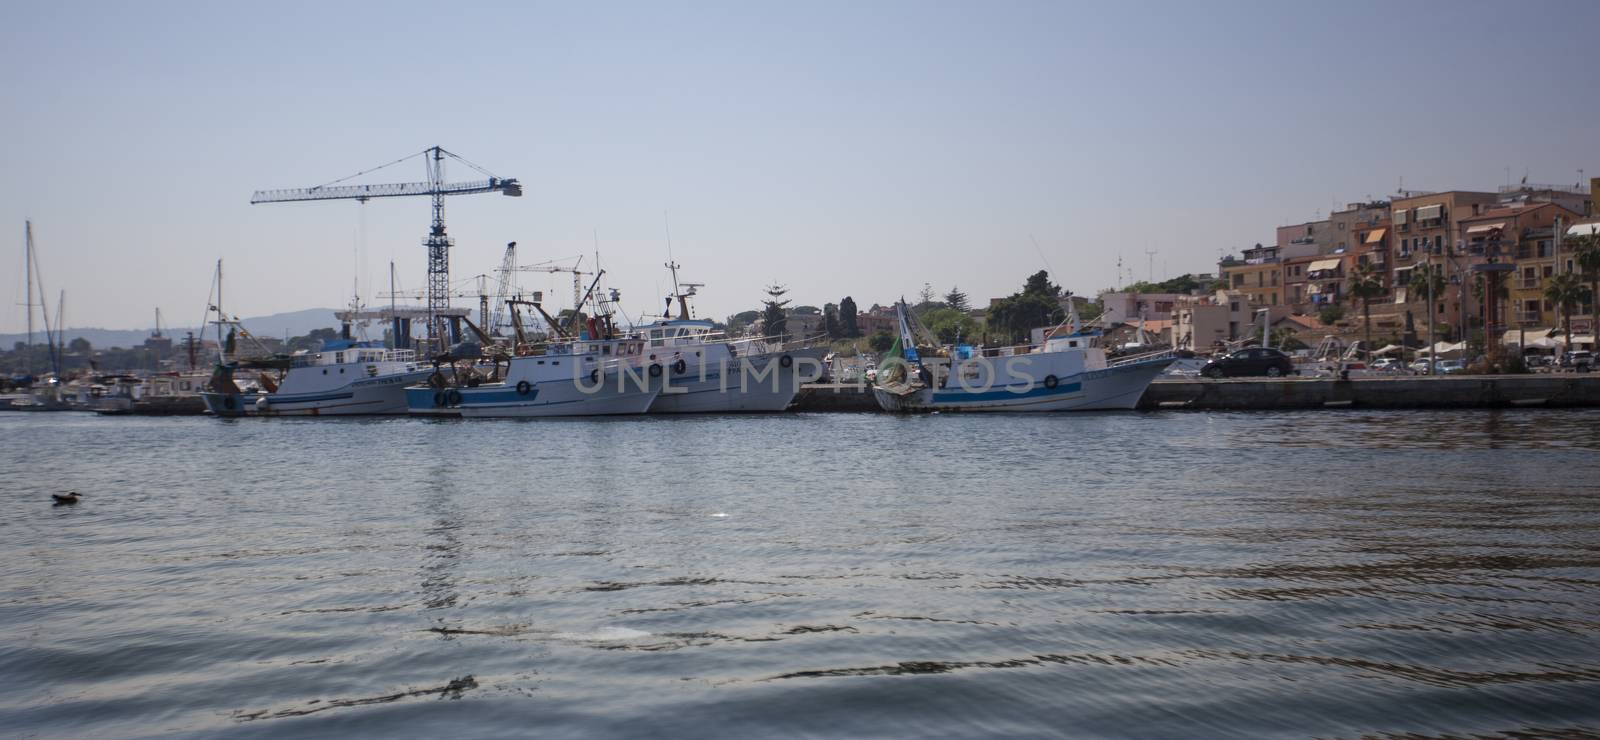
(524, 387)
(655, 371)
(679, 367)
(453, 396)
(229, 402)
(1051, 381)
(786, 362)
(594, 375)
(438, 398)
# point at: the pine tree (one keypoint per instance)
(957, 300)
(775, 320)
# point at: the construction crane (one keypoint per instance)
(438, 242)
(503, 290)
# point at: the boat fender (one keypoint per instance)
(1051, 381)
(453, 396)
(655, 371)
(438, 398)
(679, 367)
(594, 375)
(523, 387)
(229, 402)
(786, 362)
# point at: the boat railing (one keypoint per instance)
(1143, 357)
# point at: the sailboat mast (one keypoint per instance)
(27, 267)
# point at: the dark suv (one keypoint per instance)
(1249, 362)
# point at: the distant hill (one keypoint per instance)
(294, 323)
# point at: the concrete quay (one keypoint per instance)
(1557, 390)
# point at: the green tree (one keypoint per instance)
(1565, 291)
(957, 300)
(1586, 249)
(881, 342)
(1039, 284)
(738, 322)
(1366, 284)
(774, 319)
(847, 318)
(1427, 282)
(1331, 315)
(1037, 305)
(830, 321)
(949, 324)
(79, 346)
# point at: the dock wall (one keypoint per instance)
(1263, 394)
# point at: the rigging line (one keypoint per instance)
(373, 169)
(1041, 256)
(467, 162)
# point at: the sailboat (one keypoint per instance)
(39, 394)
(1067, 371)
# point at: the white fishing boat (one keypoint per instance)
(603, 377)
(709, 374)
(705, 375)
(346, 377)
(1066, 372)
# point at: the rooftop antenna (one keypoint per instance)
(1151, 255)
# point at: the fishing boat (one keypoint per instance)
(347, 376)
(709, 374)
(1068, 371)
(590, 370)
(587, 377)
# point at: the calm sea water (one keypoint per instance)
(1133, 574)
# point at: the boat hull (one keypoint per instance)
(755, 384)
(385, 395)
(551, 398)
(1113, 388)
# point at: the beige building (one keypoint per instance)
(1201, 323)
(1259, 276)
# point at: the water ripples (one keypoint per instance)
(1168, 574)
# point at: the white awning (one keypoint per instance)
(1388, 349)
(1429, 212)
(1400, 217)
(1320, 265)
(1486, 228)
(1584, 229)
(1583, 339)
(1514, 337)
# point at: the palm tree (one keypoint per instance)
(1427, 280)
(1366, 284)
(1566, 291)
(1587, 250)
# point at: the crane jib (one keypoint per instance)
(507, 186)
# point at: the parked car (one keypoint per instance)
(1419, 366)
(1250, 362)
(1452, 367)
(1581, 361)
(1386, 365)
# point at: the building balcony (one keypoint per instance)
(1529, 318)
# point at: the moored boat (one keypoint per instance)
(1070, 372)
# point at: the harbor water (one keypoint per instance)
(1162, 574)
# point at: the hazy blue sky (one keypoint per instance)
(857, 148)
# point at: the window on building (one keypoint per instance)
(1549, 270)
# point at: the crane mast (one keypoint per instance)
(438, 241)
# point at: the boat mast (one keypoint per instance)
(27, 267)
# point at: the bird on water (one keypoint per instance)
(71, 497)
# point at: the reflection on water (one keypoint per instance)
(1348, 574)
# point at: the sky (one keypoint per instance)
(836, 148)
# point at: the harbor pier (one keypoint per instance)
(1556, 390)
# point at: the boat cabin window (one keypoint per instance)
(606, 350)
